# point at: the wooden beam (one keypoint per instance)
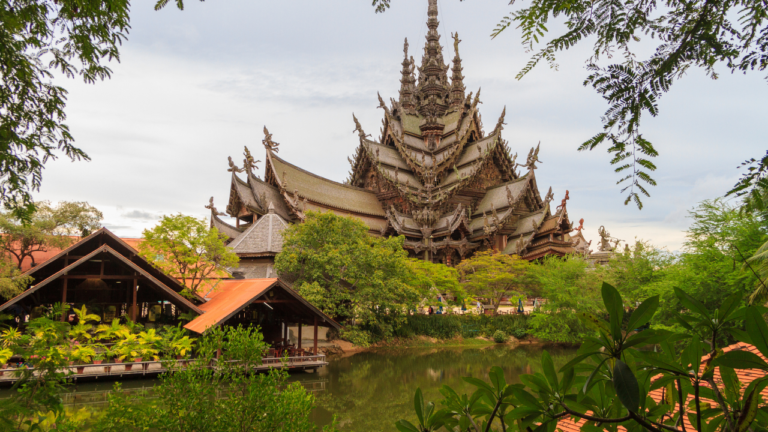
(275, 301)
(315, 348)
(105, 277)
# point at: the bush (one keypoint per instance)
(451, 326)
(500, 337)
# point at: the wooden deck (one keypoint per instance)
(152, 368)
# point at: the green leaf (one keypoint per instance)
(478, 383)
(741, 360)
(615, 307)
(406, 426)
(536, 382)
(418, 404)
(578, 359)
(625, 383)
(741, 335)
(549, 370)
(647, 337)
(691, 303)
(757, 330)
(728, 307)
(497, 378)
(594, 322)
(526, 398)
(643, 313)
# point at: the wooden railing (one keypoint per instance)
(160, 366)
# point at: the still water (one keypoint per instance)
(370, 391)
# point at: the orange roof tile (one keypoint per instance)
(229, 297)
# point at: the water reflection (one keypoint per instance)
(371, 390)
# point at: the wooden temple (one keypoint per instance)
(434, 176)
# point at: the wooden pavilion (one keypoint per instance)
(268, 303)
(104, 273)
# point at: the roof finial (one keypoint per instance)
(268, 143)
(271, 208)
(433, 78)
(213, 209)
(457, 79)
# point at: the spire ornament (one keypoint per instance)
(232, 167)
(213, 209)
(268, 143)
(249, 163)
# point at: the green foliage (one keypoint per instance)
(12, 282)
(39, 37)
(49, 226)
(500, 337)
(571, 288)
(493, 276)
(190, 250)
(607, 384)
(467, 326)
(355, 277)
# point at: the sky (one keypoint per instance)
(195, 86)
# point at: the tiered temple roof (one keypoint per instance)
(434, 175)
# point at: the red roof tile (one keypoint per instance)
(229, 297)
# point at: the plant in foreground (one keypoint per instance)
(608, 384)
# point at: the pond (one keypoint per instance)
(371, 390)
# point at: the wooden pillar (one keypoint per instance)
(134, 306)
(64, 291)
(285, 333)
(299, 343)
(315, 348)
(64, 301)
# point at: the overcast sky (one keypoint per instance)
(194, 87)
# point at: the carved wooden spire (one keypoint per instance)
(457, 79)
(408, 83)
(433, 92)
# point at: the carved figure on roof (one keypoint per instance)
(249, 162)
(405, 48)
(550, 195)
(212, 208)
(605, 240)
(581, 225)
(562, 203)
(358, 128)
(533, 158)
(510, 197)
(268, 143)
(456, 42)
(232, 167)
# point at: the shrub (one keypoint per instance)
(500, 337)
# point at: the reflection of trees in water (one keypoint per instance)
(371, 390)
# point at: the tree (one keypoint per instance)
(349, 274)
(48, 227)
(39, 37)
(701, 33)
(608, 385)
(190, 250)
(12, 282)
(571, 288)
(493, 276)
